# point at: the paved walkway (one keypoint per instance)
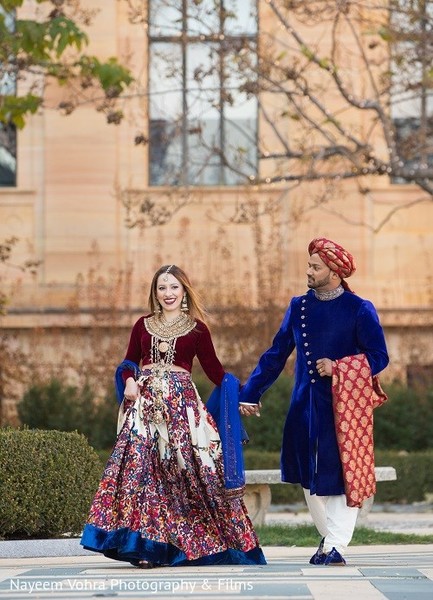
(374, 573)
(61, 569)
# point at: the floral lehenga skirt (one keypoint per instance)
(162, 497)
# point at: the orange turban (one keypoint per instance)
(334, 256)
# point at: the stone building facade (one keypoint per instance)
(77, 207)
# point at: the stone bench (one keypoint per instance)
(258, 492)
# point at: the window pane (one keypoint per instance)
(411, 98)
(241, 17)
(165, 73)
(165, 108)
(204, 115)
(8, 155)
(204, 163)
(165, 152)
(165, 18)
(203, 17)
(240, 117)
(240, 143)
(8, 134)
(7, 83)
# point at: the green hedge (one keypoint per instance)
(414, 476)
(55, 405)
(281, 494)
(47, 482)
(405, 422)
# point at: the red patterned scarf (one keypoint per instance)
(355, 393)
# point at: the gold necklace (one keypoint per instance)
(163, 349)
(168, 330)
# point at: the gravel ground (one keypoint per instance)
(415, 518)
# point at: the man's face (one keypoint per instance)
(319, 276)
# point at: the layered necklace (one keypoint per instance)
(163, 348)
(164, 335)
(330, 295)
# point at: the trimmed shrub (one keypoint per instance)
(266, 432)
(47, 482)
(284, 493)
(55, 405)
(414, 476)
(405, 422)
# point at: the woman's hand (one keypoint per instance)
(131, 392)
(247, 410)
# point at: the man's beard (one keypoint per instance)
(321, 283)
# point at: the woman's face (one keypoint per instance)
(169, 293)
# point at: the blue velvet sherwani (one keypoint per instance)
(332, 329)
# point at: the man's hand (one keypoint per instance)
(324, 367)
(247, 410)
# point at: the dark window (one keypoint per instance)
(203, 126)
(8, 134)
(411, 149)
(8, 155)
(411, 93)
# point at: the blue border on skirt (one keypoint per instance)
(124, 544)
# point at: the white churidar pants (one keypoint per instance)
(334, 520)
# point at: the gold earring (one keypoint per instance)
(158, 307)
(184, 305)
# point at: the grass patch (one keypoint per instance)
(306, 535)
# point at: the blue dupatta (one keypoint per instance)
(223, 405)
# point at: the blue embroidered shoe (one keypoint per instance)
(334, 559)
(319, 557)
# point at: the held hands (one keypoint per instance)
(324, 367)
(247, 410)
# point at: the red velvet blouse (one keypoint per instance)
(197, 342)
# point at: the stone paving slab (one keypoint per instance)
(373, 573)
(34, 548)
